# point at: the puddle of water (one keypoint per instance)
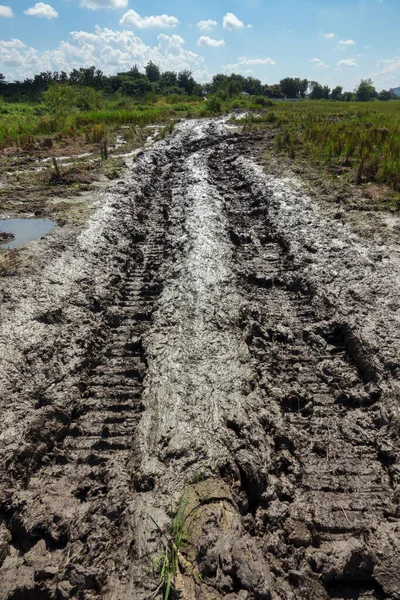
(25, 230)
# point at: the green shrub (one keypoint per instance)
(214, 104)
(262, 101)
(62, 98)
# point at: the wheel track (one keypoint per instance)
(329, 489)
(76, 540)
(78, 522)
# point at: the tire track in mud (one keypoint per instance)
(221, 365)
(198, 380)
(329, 515)
(62, 516)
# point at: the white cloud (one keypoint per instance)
(390, 66)
(343, 44)
(231, 22)
(347, 62)
(111, 51)
(388, 73)
(133, 19)
(97, 4)
(319, 63)
(44, 11)
(236, 68)
(14, 43)
(329, 36)
(207, 25)
(243, 62)
(204, 40)
(6, 11)
(255, 61)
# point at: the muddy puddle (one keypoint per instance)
(23, 231)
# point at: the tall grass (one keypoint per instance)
(362, 138)
(17, 120)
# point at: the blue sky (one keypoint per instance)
(331, 41)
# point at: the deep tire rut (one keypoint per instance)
(328, 482)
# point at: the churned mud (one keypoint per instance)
(211, 340)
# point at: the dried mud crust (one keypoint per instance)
(212, 336)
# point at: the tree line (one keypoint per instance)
(137, 84)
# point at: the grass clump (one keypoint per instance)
(175, 538)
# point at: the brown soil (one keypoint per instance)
(213, 339)
(30, 185)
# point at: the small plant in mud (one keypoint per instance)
(167, 130)
(174, 538)
(96, 134)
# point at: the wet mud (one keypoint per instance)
(211, 340)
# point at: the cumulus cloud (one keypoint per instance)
(207, 25)
(390, 65)
(207, 41)
(243, 62)
(347, 62)
(44, 11)
(329, 36)
(236, 68)
(319, 63)
(14, 43)
(133, 19)
(6, 11)
(97, 4)
(343, 44)
(111, 51)
(387, 74)
(255, 61)
(231, 22)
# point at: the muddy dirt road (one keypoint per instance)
(213, 339)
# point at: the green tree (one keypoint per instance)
(152, 72)
(168, 79)
(290, 86)
(234, 87)
(348, 96)
(135, 87)
(252, 86)
(386, 95)
(317, 91)
(326, 90)
(303, 87)
(365, 91)
(337, 93)
(186, 81)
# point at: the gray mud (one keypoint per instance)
(213, 337)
